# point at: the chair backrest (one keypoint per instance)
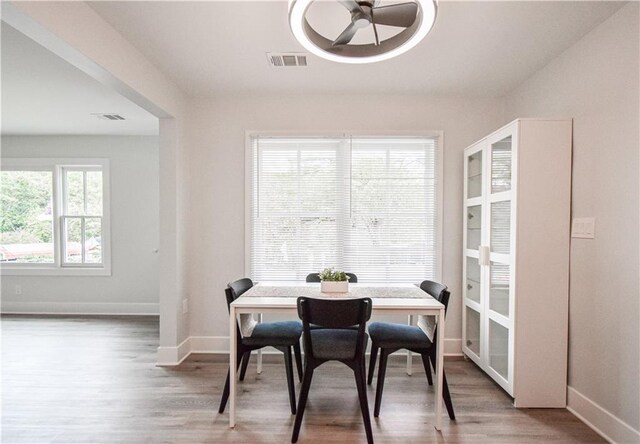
(315, 277)
(334, 313)
(233, 291)
(236, 289)
(438, 291)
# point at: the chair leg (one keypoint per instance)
(427, 367)
(362, 396)
(225, 395)
(289, 368)
(372, 362)
(446, 395)
(302, 402)
(382, 370)
(296, 350)
(245, 363)
(225, 391)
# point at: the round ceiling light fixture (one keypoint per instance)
(416, 17)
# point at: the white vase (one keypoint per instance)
(334, 286)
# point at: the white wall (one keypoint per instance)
(133, 284)
(595, 82)
(76, 33)
(217, 182)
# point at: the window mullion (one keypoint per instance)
(387, 198)
(85, 192)
(346, 209)
(83, 238)
(56, 212)
(298, 246)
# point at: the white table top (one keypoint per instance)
(384, 296)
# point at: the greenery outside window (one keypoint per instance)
(54, 217)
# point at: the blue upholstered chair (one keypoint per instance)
(281, 335)
(390, 337)
(335, 340)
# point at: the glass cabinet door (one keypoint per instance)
(499, 288)
(472, 328)
(474, 227)
(498, 322)
(474, 175)
(499, 349)
(501, 165)
(488, 252)
(473, 281)
(473, 200)
(500, 218)
(475, 215)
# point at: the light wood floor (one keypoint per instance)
(73, 379)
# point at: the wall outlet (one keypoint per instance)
(18, 289)
(185, 306)
(584, 228)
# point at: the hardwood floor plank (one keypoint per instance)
(93, 379)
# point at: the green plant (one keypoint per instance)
(329, 274)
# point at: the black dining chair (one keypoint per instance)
(334, 341)
(390, 337)
(315, 277)
(280, 335)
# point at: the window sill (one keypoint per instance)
(54, 271)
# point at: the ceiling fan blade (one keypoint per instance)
(351, 5)
(402, 15)
(346, 36)
(375, 32)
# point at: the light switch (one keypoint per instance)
(584, 228)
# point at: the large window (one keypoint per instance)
(52, 218)
(368, 205)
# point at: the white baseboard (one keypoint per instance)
(453, 346)
(603, 422)
(171, 356)
(80, 308)
(210, 344)
(220, 345)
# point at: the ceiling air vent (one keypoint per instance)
(109, 116)
(286, 60)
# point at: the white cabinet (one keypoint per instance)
(517, 196)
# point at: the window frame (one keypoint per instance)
(250, 136)
(57, 167)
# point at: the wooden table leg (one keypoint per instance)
(409, 354)
(259, 350)
(233, 373)
(439, 369)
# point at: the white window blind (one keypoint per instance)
(365, 205)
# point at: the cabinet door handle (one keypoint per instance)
(483, 255)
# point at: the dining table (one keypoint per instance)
(387, 299)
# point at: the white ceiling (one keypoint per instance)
(43, 94)
(219, 48)
(475, 48)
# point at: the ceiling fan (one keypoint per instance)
(364, 14)
(414, 18)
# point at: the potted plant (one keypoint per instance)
(333, 281)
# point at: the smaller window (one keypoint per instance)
(54, 217)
